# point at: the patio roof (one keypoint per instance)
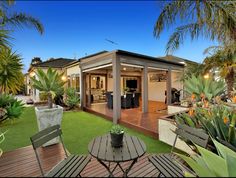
(137, 55)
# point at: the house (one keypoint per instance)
(58, 64)
(119, 83)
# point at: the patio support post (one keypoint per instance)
(81, 82)
(89, 90)
(116, 89)
(168, 87)
(145, 89)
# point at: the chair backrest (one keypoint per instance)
(136, 99)
(196, 136)
(109, 97)
(43, 137)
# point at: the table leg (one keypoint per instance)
(129, 168)
(125, 172)
(108, 168)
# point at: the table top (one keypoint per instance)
(100, 148)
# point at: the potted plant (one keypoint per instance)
(49, 83)
(117, 134)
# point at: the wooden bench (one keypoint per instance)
(170, 165)
(71, 166)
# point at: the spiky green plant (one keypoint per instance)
(10, 107)
(218, 121)
(48, 82)
(208, 87)
(11, 76)
(209, 164)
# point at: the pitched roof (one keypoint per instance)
(55, 63)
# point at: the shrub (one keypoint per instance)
(116, 129)
(219, 121)
(72, 99)
(10, 107)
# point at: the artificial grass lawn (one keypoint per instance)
(78, 128)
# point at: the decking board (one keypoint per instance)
(22, 163)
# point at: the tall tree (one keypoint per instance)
(211, 19)
(35, 60)
(11, 74)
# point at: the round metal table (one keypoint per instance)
(132, 149)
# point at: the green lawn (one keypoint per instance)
(79, 128)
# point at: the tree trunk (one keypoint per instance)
(49, 100)
(230, 81)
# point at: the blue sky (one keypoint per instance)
(76, 28)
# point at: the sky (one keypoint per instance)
(74, 29)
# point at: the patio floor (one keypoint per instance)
(146, 123)
(22, 163)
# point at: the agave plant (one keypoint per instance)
(218, 121)
(200, 86)
(49, 82)
(9, 107)
(208, 164)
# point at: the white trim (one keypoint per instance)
(131, 65)
(99, 67)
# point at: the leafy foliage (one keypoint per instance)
(215, 20)
(49, 82)
(116, 129)
(218, 121)
(192, 69)
(72, 99)
(10, 20)
(10, 107)
(200, 86)
(11, 76)
(226, 64)
(208, 164)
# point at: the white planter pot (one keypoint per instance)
(48, 117)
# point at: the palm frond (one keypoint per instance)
(20, 19)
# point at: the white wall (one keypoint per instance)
(73, 70)
(156, 90)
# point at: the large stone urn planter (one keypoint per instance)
(47, 117)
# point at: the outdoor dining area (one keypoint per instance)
(106, 157)
(128, 100)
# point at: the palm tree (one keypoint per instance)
(11, 76)
(49, 83)
(226, 64)
(212, 19)
(9, 20)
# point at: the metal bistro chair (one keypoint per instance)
(71, 166)
(167, 163)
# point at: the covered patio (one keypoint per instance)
(121, 73)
